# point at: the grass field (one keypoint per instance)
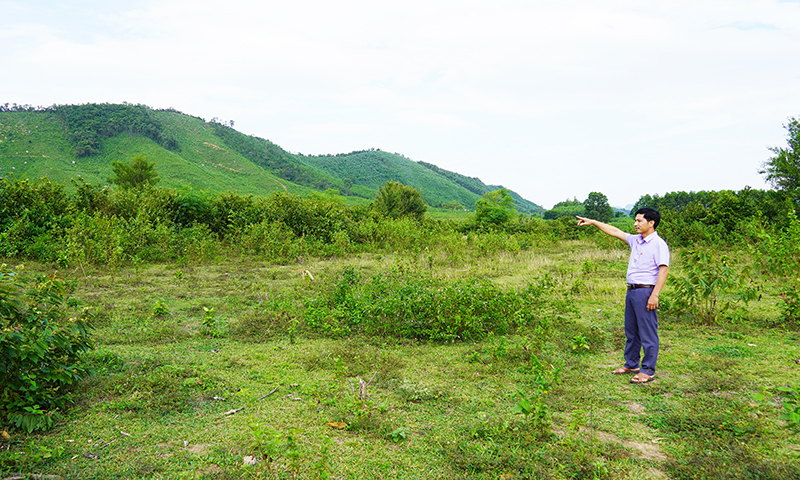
(204, 371)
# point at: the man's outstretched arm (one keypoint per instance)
(604, 227)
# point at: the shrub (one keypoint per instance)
(416, 306)
(396, 200)
(40, 348)
(712, 286)
(274, 240)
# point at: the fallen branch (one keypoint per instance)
(19, 476)
(267, 395)
(231, 412)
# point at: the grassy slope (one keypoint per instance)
(437, 411)
(201, 162)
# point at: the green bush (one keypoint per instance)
(711, 288)
(40, 349)
(414, 306)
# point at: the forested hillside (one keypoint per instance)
(372, 168)
(64, 142)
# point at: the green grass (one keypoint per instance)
(155, 408)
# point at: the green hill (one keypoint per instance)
(67, 141)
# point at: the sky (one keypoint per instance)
(553, 100)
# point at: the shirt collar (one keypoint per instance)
(648, 238)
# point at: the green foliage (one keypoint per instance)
(414, 306)
(31, 214)
(477, 187)
(136, 174)
(40, 349)
(272, 157)
(783, 170)
(396, 200)
(580, 343)
(790, 305)
(596, 206)
(778, 253)
(535, 411)
(791, 405)
(720, 218)
(87, 124)
(212, 156)
(567, 208)
(711, 287)
(159, 309)
(452, 205)
(495, 208)
(398, 434)
(210, 325)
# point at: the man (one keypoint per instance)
(647, 273)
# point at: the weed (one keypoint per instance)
(159, 309)
(416, 392)
(398, 434)
(534, 410)
(580, 343)
(210, 326)
(791, 404)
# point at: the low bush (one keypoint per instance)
(417, 306)
(40, 348)
(711, 288)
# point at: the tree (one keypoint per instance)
(495, 207)
(567, 208)
(596, 206)
(396, 200)
(138, 173)
(783, 170)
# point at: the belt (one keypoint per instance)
(634, 286)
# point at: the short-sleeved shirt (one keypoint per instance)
(647, 254)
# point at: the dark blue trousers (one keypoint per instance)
(641, 331)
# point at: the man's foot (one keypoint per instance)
(623, 370)
(642, 378)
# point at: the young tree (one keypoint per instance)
(396, 200)
(138, 173)
(783, 170)
(567, 208)
(495, 207)
(596, 206)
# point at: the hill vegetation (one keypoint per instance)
(65, 141)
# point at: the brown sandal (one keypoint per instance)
(624, 370)
(642, 378)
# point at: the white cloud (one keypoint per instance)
(550, 99)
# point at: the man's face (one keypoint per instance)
(642, 225)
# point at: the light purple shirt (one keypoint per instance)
(647, 254)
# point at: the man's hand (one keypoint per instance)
(604, 227)
(652, 302)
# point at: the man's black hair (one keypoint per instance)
(650, 214)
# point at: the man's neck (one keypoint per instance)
(648, 233)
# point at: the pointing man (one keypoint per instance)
(647, 273)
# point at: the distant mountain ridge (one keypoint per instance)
(66, 141)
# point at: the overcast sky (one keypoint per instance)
(550, 99)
